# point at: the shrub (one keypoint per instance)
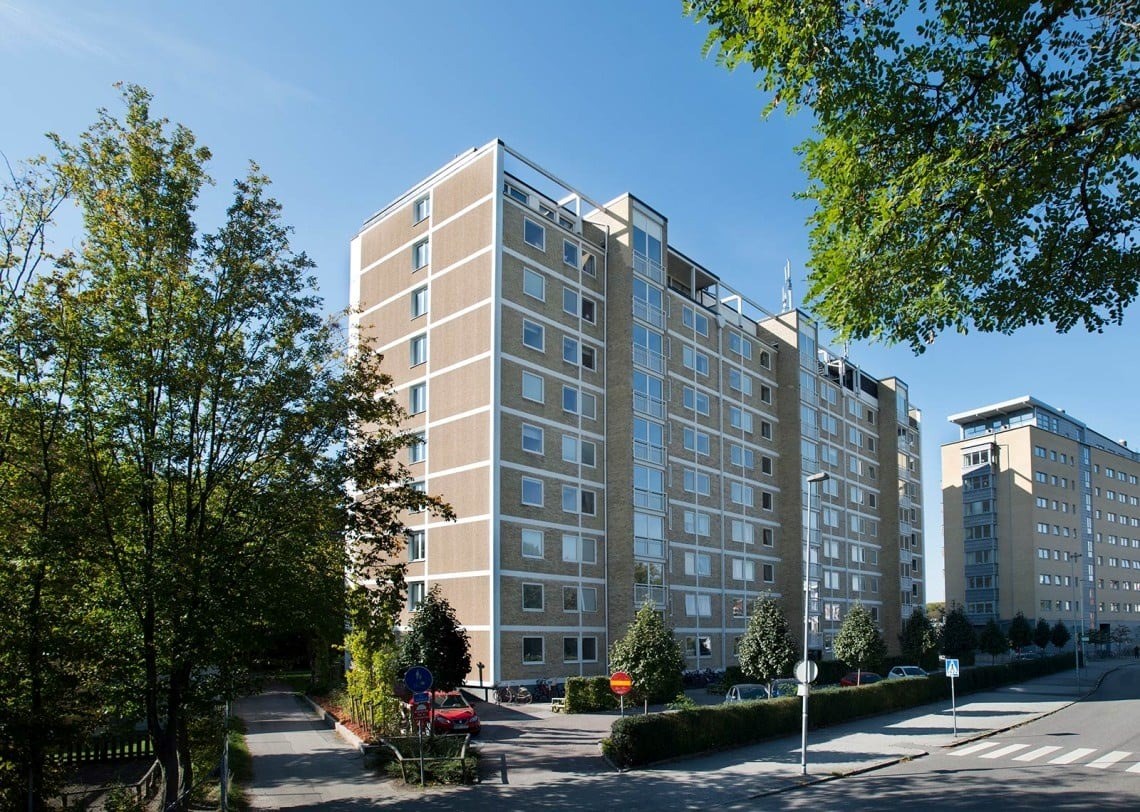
(589, 694)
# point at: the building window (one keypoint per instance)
(532, 651)
(532, 544)
(421, 254)
(417, 398)
(579, 599)
(417, 448)
(765, 393)
(575, 450)
(579, 549)
(697, 523)
(532, 438)
(739, 419)
(531, 491)
(648, 394)
(578, 500)
(699, 606)
(534, 335)
(417, 545)
(741, 456)
(422, 209)
(694, 320)
(419, 302)
(570, 253)
(576, 402)
(741, 494)
(417, 351)
(532, 597)
(742, 531)
(743, 569)
(590, 265)
(589, 358)
(534, 234)
(740, 345)
(696, 441)
(697, 482)
(583, 650)
(648, 346)
(765, 500)
(648, 535)
(534, 284)
(766, 465)
(532, 386)
(765, 429)
(696, 401)
(768, 537)
(740, 382)
(769, 573)
(694, 360)
(415, 595)
(698, 564)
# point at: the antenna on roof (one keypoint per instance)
(787, 303)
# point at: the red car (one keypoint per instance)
(859, 678)
(451, 713)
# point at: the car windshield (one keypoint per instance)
(912, 671)
(446, 701)
(751, 691)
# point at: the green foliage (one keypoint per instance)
(1041, 633)
(936, 611)
(1059, 635)
(766, 651)
(973, 164)
(444, 759)
(639, 740)
(859, 643)
(682, 701)
(918, 637)
(437, 640)
(958, 636)
(589, 694)
(1121, 635)
(992, 640)
(1020, 632)
(651, 656)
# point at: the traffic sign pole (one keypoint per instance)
(952, 673)
(620, 684)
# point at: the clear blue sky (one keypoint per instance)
(345, 105)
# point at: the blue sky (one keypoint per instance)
(344, 105)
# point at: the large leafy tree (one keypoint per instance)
(958, 637)
(436, 640)
(918, 637)
(859, 642)
(1041, 633)
(993, 640)
(650, 655)
(1059, 636)
(974, 165)
(766, 651)
(220, 415)
(1020, 632)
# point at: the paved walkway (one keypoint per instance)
(535, 759)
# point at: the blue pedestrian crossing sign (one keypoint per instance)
(951, 668)
(418, 679)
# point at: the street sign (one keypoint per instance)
(806, 671)
(421, 696)
(951, 668)
(421, 711)
(620, 683)
(418, 679)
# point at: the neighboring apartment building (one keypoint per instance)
(1041, 516)
(614, 425)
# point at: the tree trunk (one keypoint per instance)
(35, 675)
(184, 755)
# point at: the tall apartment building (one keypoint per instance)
(613, 424)
(1041, 516)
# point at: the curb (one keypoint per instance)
(332, 722)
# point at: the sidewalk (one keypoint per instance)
(535, 759)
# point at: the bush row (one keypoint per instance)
(637, 740)
(589, 694)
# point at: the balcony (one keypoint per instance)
(650, 359)
(654, 407)
(648, 267)
(644, 592)
(647, 312)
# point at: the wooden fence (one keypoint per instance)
(106, 748)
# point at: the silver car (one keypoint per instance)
(902, 671)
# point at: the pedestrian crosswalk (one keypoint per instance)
(1050, 754)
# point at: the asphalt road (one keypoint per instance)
(1085, 756)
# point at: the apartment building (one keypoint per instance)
(614, 424)
(1041, 516)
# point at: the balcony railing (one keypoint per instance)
(650, 359)
(647, 312)
(654, 407)
(653, 594)
(648, 267)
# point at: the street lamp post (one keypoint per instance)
(817, 480)
(1076, 619)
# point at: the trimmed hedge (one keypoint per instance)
(589, 694)
(637, 740)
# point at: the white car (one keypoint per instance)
(903, 671)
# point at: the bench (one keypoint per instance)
(558, 704)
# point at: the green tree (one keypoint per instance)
(859, 643)
(650, 655)
(215, 404)
(958, 637)
(918, 638)
(1059, 636)
(1020, 632)
(992, 640)
(973, 164)
(936, 611)
(766, 651)
(436, 640)
(1041, 633)
(1121, 636)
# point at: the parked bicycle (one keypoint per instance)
(548, 689)
(518, 695)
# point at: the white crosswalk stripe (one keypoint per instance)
(1073, 755)
(1033, 755)
(975, 748)
(1135, 768)
(1005, 751)
(1106, 761)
